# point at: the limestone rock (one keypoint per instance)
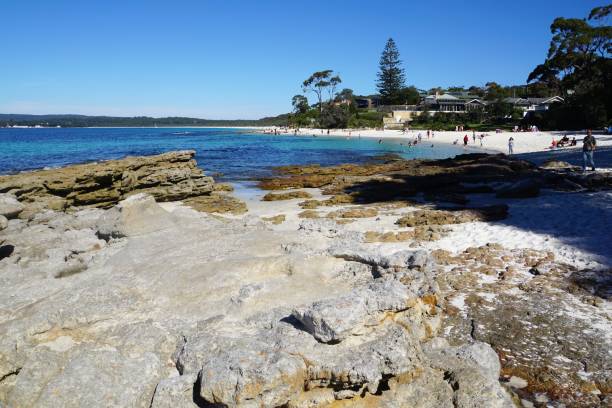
(472, 370)
(334, 319)
(167, 177)
(175, 392)
(137, 215)
(9, 206)
(3, 222)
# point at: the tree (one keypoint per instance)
(390, 75)
(578, 63)
(476, 90)
(345, 95)
(300, 104)
(334, 117)
(494, 91)
(319, 82)
(409, 96)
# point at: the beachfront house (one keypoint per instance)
(533, 104)
(459, 102)
(450, 102)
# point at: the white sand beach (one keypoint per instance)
(524, 142)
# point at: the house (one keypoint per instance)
(533, 104)
(450, 103)
(367, 102)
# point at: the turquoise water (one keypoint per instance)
(230, 154)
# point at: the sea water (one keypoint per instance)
(229, 154)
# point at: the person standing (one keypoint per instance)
(465, 140)
(511, 145)
(588, 147)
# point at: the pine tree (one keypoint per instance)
(391, 75)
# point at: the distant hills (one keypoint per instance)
(136, 121)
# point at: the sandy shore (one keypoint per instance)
(524, 142)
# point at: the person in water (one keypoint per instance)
(511, 145)
(465, 140)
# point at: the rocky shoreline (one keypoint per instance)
(340, 291)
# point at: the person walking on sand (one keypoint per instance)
(511, 145)
(588, 147)
(465, 140)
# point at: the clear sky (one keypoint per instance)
(246, 59)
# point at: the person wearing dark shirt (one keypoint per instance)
(588, 147)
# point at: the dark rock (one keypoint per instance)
(6, 251)
(526, 188)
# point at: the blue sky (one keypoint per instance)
(246, 59)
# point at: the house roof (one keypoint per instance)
(533, 101)
(447, 97)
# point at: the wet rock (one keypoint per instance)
(217, 203)
(354, 213)
(286, 196)
(447, 197)
(558, 165)
(223, 187)
(442, 217)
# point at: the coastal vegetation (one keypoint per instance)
(138, 121)
(579, 67)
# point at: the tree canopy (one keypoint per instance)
(300, 104)
(390, 75)
(578, 64)
(321, 82)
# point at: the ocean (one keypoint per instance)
(231, 155)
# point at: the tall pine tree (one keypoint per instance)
(390, 75)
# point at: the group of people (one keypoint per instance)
(564, 141)
(466, 139)
(532, 128)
